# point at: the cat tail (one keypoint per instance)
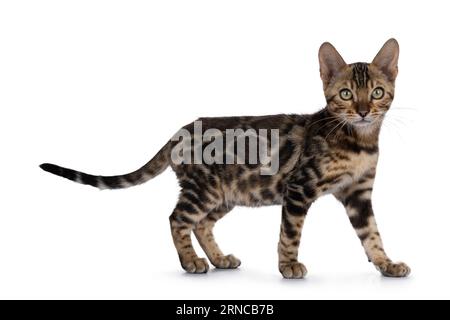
(151, 169)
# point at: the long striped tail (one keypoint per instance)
(151, 169)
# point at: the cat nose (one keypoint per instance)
(363, 113)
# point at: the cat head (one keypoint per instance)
(359, 93)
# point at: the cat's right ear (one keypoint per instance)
(387, 59)
(330, 62)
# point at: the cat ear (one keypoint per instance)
(330, 62)
(387, 58)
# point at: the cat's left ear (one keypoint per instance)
(387, 58)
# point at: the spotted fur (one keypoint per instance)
(328, 152)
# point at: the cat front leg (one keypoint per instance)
(292, 219)
(358, 204)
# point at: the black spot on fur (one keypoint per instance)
(280, 187)
(253, 180)
(265, 181)
(364, 210)
(309, 191)
(242, 185)
(266, 194)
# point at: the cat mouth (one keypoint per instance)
(362, 122)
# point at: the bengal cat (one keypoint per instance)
(333, 151)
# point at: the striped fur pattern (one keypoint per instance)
(360, 74)
(333, 151)
(151, 169)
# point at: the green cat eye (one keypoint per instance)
(378, 93)
(345, 94)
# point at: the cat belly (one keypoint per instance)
(254, 190)
(255, 199)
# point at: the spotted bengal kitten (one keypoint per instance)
(334, 150)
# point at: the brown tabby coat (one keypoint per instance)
(332, 151)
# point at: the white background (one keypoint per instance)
(100, 86)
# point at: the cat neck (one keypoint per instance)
(364, 135)
(367, 135)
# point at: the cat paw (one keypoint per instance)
(198, 265)
(227, 262)
(389, 269)
(293, 270)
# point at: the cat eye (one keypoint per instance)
(346, 94)
(378, 93)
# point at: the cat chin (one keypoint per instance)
(362, 124)
(365, 127)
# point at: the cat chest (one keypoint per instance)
(340, 170)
